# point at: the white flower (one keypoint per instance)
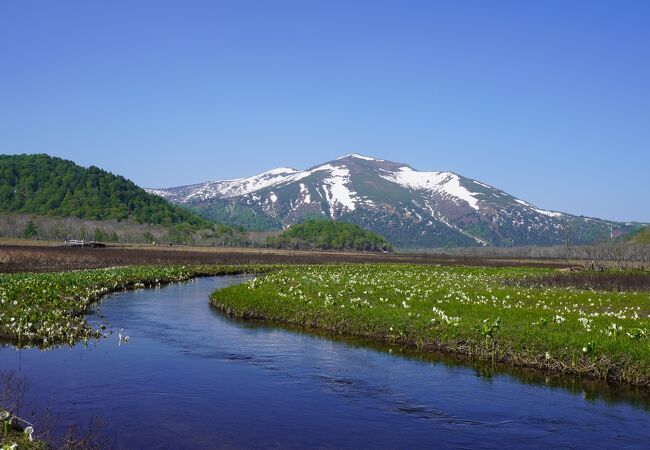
(29, 431)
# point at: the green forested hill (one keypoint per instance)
(45, 185)
(642, 237)
(326, 234)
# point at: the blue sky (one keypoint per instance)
(549, 101)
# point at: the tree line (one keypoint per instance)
(329, 235)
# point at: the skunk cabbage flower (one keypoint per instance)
(29, 431)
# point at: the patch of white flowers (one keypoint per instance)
(559, 319)
(586, 323)
(444, 317)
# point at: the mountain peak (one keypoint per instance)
(359, 156)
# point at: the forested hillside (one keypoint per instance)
(45, 185)
(327, 234)
(642, 237)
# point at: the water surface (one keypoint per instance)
(191, 378)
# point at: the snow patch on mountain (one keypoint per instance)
(243, 186)
(446, 182)
(337, 193)
(483, 184)
(202, 191)
(358, 156)
(540, 211)
(304, 192)
(161, 193)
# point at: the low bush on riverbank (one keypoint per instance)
(477, 312)
(48, 308)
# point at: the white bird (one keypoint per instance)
(119, 336)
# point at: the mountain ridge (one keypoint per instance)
(412, 208)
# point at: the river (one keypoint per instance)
(191, 378)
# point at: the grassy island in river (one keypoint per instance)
(485, 313)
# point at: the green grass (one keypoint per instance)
(477, 312)
(45, 309)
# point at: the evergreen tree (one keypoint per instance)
(99, 235)
(31, 231)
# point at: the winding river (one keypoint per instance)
(192, 378)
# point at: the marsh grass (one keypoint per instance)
(613, 280)
(471, 311)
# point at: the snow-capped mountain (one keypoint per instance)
(411, 208)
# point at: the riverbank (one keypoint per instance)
(46, 309)
(492, 314)
(22, 442)
(13, 433)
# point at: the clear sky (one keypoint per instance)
(549, 101)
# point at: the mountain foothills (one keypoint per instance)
(411, 208)
(641, 237)
(41, 184)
